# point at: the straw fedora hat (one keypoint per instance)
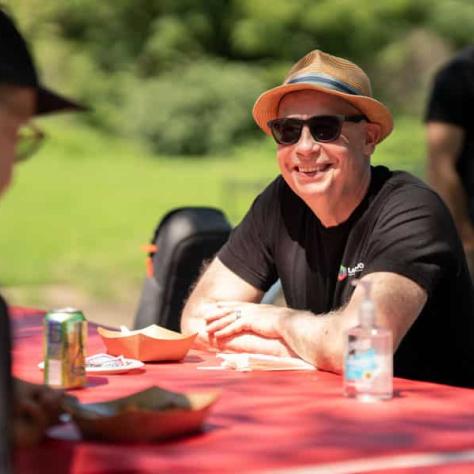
(329, 74)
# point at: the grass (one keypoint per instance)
(79, 211)
(404, 149)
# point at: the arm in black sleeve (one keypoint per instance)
(249, 250)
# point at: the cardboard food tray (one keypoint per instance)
(152, 343)
(149, 415)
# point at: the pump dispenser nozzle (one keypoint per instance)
(367, 308)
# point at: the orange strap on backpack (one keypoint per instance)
(151, 249)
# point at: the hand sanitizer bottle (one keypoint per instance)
(368, 356)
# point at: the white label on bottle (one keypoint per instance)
(54, 372)
(362, 366)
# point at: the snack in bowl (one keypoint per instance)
(153, 343)
(149, 415)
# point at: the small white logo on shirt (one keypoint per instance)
(345, 272)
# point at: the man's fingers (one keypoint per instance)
(209, 318)
(237, 326)
(220, 323)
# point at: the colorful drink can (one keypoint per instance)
(65, 333)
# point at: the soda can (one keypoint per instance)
(65, 333)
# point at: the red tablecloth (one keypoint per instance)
(287, 421)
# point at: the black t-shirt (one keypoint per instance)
(452, 101)
(5, 388)
(401, 226)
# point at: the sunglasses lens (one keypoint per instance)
(29, 140)
(286, 131)
(325, 128)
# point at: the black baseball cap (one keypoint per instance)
(17, 68)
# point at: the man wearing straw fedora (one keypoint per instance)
(331, 218)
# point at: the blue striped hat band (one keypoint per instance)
(326, 81)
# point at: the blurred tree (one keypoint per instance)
(453, 20)
(405, 67)
(344, 27)
(204, 108)
(110, 53)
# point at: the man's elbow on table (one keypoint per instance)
(332, 360)
(318, 339)
(330, 354)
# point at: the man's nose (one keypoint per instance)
(307, 145)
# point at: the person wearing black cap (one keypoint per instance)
(32, 408)
(22, 96)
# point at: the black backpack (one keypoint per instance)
(185, 238)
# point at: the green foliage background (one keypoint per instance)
(172, 84)
(199, 64)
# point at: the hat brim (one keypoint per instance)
(48, 102)
(266, 106)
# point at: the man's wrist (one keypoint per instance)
(283, 322)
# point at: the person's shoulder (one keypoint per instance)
(406, 202)
(3, 306)
(465, 56)
(387, 179)
(273, 189)
(401, 178)
(277, 190)
(404, 189)
(456, 68)
(266, 202)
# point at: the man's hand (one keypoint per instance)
(238, 326)
(229, 318)
(217, 283)
(36, 407)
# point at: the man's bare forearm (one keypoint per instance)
(253, 343)
(318, 340)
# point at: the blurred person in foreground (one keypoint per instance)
(329, 218)
(34, 407)
(450, 142)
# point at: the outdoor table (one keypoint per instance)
(295, 421)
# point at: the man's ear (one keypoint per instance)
(373, 132)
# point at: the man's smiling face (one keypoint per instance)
(334, 171)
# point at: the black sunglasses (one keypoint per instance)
(323, 128)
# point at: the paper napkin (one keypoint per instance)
(245, 362)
